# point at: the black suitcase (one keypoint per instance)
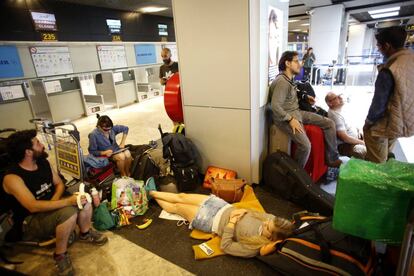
(284, 176)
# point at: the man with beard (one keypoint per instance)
(168, 68)
(290, 119)
(34, 192)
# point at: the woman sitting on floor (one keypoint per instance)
(242, 232)
(102, 142)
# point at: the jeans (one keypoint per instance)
(302, 141)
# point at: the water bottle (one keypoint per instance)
(95, 197)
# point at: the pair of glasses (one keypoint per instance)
(334, 98)
(182, 222)
(106, 128)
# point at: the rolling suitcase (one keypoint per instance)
(284, 176)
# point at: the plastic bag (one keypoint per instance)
(130, 196)
(102, 219)
(373, 200)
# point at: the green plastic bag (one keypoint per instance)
(102, 219)
(373, 200)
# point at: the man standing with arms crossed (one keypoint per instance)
(391, 114)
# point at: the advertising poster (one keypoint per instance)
(275, 19)
(10, 66)
(145, 54)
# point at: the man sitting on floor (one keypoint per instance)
(348, 142)
(290, 119)
(34, 193)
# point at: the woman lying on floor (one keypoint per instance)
(242, 232)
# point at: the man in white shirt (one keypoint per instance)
(348, 142)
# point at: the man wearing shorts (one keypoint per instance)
(34, 193)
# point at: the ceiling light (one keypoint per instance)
(305, 24)
(293, 20)
(382, 15)
(384, 10)
(297, 30)
(152, 9)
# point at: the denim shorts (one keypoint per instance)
(203, 220)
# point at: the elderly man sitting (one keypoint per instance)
(348, 142)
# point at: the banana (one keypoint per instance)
(144, 225)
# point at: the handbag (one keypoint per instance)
(231, 190)
(217, 173)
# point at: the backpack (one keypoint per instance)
(183, 155)
(316, 248)
(144, 166)
(305, 89)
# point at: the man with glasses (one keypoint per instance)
(348, 142)
(290, 119)
(391, 114)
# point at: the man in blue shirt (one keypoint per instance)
(391, 114)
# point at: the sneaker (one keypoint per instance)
(150, 186)
(94, 237)
(64, 265)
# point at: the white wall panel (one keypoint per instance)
(84, 58)
(223, 137)
(213, 42)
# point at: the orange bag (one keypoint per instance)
(219, 173)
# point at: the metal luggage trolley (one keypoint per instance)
(62, 140)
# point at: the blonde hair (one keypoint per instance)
(283, 229)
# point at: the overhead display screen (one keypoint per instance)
(114, 26)
(162, 29)
(44, 21)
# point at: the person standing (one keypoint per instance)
(308, 60)
(290, 119)
(348, 142)
(391, 114)
(168, 68)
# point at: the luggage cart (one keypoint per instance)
(62, 140)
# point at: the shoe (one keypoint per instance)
(150, 186)
(93, 237)
(335, 164)
(64, 265)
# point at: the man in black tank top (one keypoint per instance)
(34, 192)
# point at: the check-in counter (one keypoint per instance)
(124, 82)
(15, 107)
(93, 102)
(147, 82)
(63, 97)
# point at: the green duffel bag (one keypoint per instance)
(373, 200)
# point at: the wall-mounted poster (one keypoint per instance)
(10, 66)
(49, 61)
(111, 57)
(87, 84)
(12, 92)
(275, 40)
(145, 54)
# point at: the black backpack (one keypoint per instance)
(283, 176)
(183, 156)
(305, 89)
(318, 249)
(144, 166)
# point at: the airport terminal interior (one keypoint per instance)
(65, 63)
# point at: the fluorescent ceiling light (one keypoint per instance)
(384, 10)
(382, 15)
(293, 20)
(152, 9)
(297, 30)
(305, 24)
